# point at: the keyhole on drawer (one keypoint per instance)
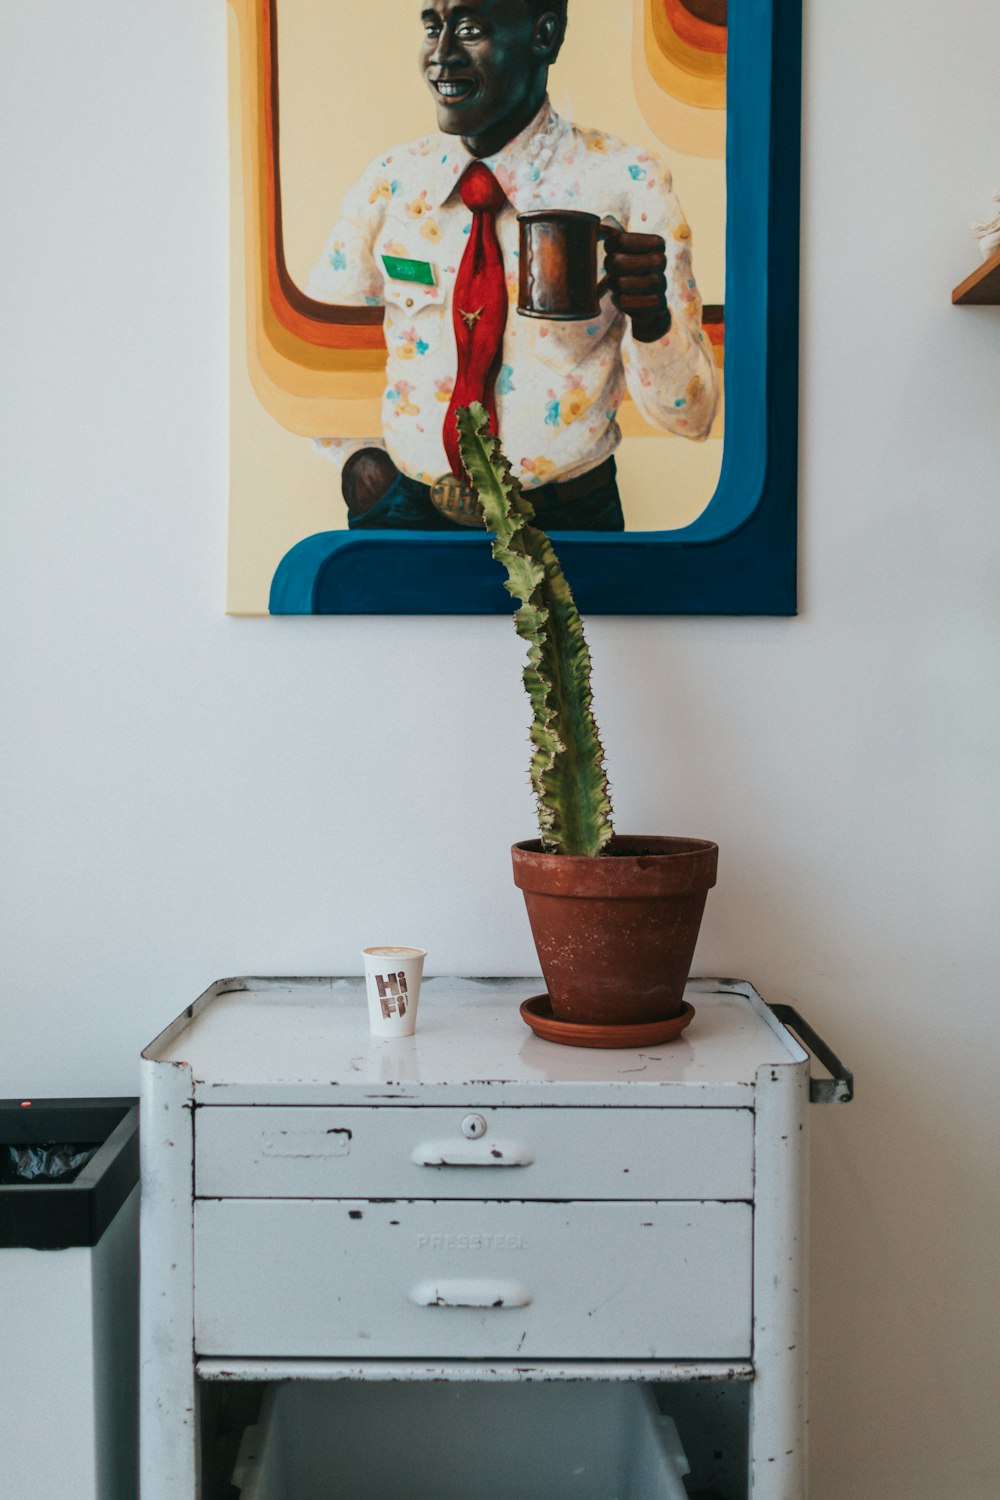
(473, 1126)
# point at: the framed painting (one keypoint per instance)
(586, 217)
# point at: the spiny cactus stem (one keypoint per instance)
(567, 764)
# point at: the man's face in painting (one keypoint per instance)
(486, 63)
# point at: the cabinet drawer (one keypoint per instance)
(276, 1152)
(500, 1280)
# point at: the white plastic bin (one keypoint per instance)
(454, 1441)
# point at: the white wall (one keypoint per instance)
(186, 796)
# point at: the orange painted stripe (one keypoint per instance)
(697, 33)
(686, 73)
(714, 325)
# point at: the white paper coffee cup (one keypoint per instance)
(392, 981)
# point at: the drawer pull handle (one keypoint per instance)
(489, 1294)
(472, 1153)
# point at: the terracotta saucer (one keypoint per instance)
(537, 1012)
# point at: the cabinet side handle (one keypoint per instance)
(839, 1089)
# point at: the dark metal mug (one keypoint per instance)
(558, 264)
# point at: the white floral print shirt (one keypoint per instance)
(561, 383)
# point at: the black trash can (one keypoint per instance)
(69, 1270)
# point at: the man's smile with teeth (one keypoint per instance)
(453, 88)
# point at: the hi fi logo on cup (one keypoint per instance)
(392, 982)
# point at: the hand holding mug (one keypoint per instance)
(635, 270)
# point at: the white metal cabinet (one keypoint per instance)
(321, 1204)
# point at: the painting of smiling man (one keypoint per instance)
(391, 269)
(430, 232)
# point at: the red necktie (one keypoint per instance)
(479, 310)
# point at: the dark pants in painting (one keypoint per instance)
(575, 506)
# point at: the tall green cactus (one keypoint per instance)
(567, 764)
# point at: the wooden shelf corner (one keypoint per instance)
(983, 286)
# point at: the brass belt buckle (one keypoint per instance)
(456, 499)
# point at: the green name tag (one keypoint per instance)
(409, 270)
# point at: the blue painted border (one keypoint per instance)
(739, 556)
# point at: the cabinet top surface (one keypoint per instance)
(306, 1041)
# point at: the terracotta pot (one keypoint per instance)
(616, 932)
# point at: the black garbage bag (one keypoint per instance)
(46, 1162)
